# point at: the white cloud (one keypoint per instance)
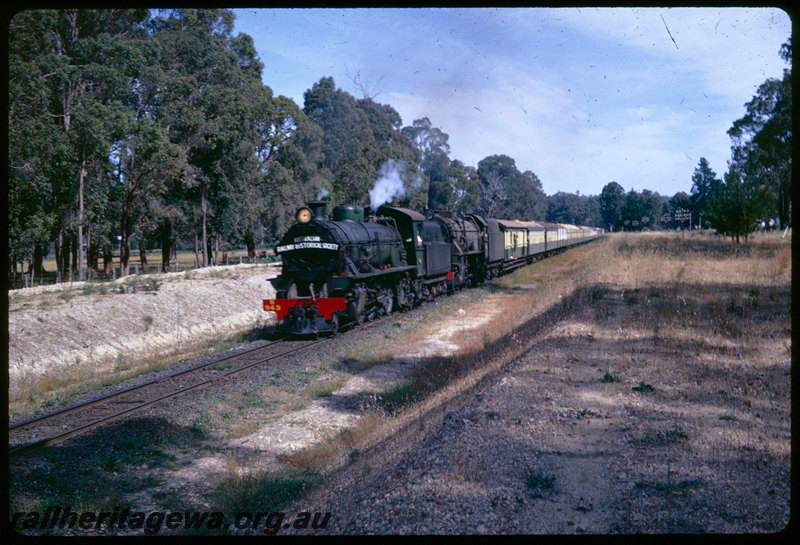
(734, 49)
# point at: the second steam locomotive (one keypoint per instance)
(356, 266)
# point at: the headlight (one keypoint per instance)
(303, 215)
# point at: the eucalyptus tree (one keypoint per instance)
(574, 208)
(533, 196)
(563, 208)
(674, 209)
(289, 155)
(612, 199)
(734, 208)
(653, 205)
(144, 160)
(634, 212)
(641, 210)
(78, 66)
(34, 138)
(519, 196)
(358, 138)
(493, 196)
(433, 151)
(391, 149)
(762, 139)
(346, 136)
(210, 98)
(591, 210)
(465, 185)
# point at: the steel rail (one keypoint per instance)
(112, 395)
(95, 423)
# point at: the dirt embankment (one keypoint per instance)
(103, 326)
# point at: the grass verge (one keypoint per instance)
(30, 393)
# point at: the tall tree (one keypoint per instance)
(391, 146)
(574, 209)
(522, 195)
(346, 136)
(675, 207)
(704, 184)
(591, 211)
(358, 139)
(635, 212)
(79, 65)
(612, 199)
(493, 196)
(209, 99)
(465, 185)
(34, 139)
(652, 204)
(288, 159)
(434, 150)
(564, 208)
(144, 161)
(762, 139)
(535, 199)
(736, 206)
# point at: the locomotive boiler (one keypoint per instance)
(337, 271)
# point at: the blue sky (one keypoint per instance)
(579, 96)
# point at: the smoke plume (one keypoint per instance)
(322, 194)
(389, 184)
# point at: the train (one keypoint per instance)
(362, 264)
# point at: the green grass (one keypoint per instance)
(540, 481)
(252, 399)
(609, 377)
(267, 492)
(202, 425)
(670, 487)
(643, 387)
(677, 433)
(94, 289)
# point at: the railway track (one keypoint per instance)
(54, 427)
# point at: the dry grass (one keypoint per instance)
(654, 271)
(642, 260)
(336, 448)
(674, 336)
(34, 391)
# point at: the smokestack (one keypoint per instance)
(318, 208)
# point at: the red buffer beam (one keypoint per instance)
(325, 306)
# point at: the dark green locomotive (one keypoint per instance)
(348, 269)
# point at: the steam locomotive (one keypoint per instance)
(361, 265)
